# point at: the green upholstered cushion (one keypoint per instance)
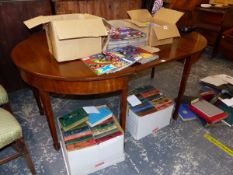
(10, 130)
(3, 95)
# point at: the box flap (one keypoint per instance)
(67, 29)
(168, 15)
(33, 22)
(142, 15)
(140, 24)
(166, 31)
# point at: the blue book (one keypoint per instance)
(185, 113)
(97, 118)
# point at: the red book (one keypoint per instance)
(105, 138)
(208, 111)
(79, 145)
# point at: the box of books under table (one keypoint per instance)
(91, 139)
(148, 111)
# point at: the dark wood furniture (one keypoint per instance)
(226, 44)
(39, 69)
(187, 7)
(12, 31)
(109, 9)
(211, 22)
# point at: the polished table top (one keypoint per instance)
(44, 74)
(32, 56)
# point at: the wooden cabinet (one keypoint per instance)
(211, 22)
(109, 9)
(12, 31)
(226, 44)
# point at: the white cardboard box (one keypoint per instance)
(72, 36)
(93, 158)
(140, 127)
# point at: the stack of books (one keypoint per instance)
(123, 36)
(214, 105)
(82, 128)
(118, 58)
(150, 100)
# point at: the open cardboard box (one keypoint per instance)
(72, 36)
(160, 28)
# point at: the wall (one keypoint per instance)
(12, 31)
(109, 9)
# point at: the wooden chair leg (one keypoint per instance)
(38, 101)
(22, 148)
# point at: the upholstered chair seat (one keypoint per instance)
(10, 129)
(11, 135)
(3, 96)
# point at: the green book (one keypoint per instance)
(73, 119)
(229, 111)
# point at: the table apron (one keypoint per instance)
(75, 87)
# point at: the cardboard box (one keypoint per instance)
(93, 158)
(161, 28)
(72, 36)
(140, 127)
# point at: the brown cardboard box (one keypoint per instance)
(72, 36)
(161, 28)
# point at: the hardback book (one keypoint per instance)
(103, 129)
(229, 110)
(105, 133)
(76, 133)
(96, 118)
(109, 132)
(81, 139)
(185, 113)
(207, 111)
(141, 89)
(80, 145)
(73, 119)
(107, 137)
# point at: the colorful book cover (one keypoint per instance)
(185, 113)
(150, 93)
(125, 33)
(99, 63)
(103, 129)
(78, 134)
(72, 119)
(80, 145)
(96, 118)
(208, 111)
(106, 133)
(81, 139)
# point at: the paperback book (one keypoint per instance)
(116, 59)
(104, 113)
(123, 36)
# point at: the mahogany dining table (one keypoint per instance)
(45, 75)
